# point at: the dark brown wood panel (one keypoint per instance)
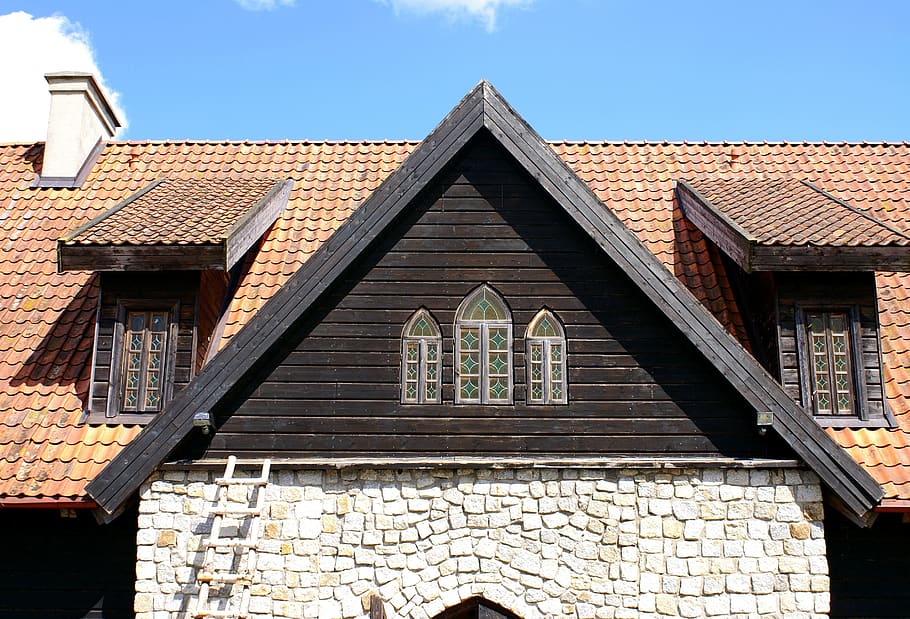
(635, 385)
(213, 286)
(135, 289)
(141, 258)
(55, 567)
(868, 567)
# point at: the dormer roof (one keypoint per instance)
(785, 224)
(177, 224)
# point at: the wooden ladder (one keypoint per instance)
(238, 576)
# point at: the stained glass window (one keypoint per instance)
(420, 359)
(830, 363)
(546, 360)
(483, 349)
(144, 360)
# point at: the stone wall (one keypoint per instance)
(579, 543)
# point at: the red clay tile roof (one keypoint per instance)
(788, 211)
(46, 318)
(176, 211)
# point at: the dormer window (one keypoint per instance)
(829, 351)
(144, 347)
(829, 345)
(145, 354)
(160, 250)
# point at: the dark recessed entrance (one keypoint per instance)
(476, 608)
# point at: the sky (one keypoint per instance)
(392, 69)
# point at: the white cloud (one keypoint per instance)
(264, 5)
(29, 48)
(483, 10)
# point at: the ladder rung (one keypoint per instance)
(229, 543)
(221, 613)
(235, 511)
(243, 481)
(225, 579)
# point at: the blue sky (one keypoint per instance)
(575, 69)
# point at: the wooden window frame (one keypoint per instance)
(483, 326)
(546, 361)
(115, 410)
(860, 392)
(423, 364)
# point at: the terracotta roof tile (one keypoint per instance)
(181, 211)
(46, 318)
(788, 211)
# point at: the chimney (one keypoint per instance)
(80, 120)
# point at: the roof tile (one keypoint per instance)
(176, 211)
(46, 325)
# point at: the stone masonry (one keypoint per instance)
(561, 542)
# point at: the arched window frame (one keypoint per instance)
(423, 353)
(494, 339)
(546, 352)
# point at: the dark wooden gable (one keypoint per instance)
(229, 373)
(635, 385)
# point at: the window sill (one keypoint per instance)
(852, 422)
(123, 419)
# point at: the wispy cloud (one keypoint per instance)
(264, 5)
(484, 11)
(29, 48)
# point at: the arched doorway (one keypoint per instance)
(476, 608)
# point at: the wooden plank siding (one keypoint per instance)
(55, 567)
(153, 289)
(635, 385)
(835, 290)
(868, 567)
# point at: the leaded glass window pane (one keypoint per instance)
(830, 363)
(546, 360)
(469, 364)
(485, 306)
(498, 363)
(483, 349)
(144, 360)
(420, 359)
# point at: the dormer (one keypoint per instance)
(166, 258)
(802, 263)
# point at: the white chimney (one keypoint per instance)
(80, 119)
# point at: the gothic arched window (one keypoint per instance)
(483, 349)
(421, 359)
(546, 360)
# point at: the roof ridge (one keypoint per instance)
(625, 142)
